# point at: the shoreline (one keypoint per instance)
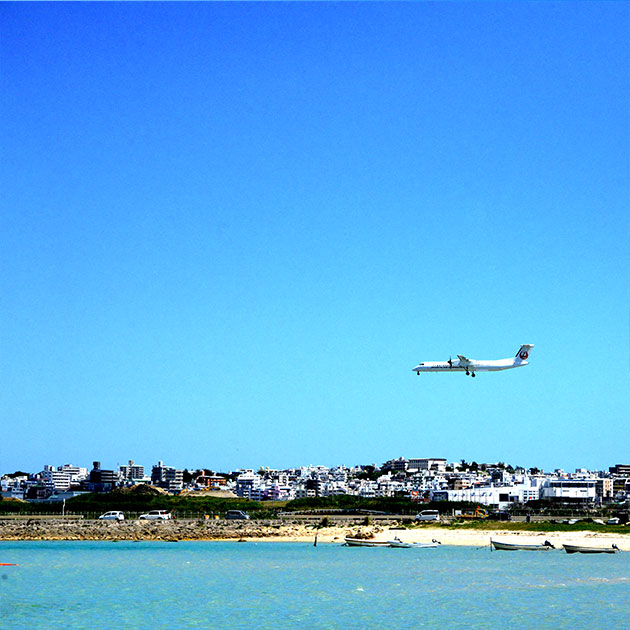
(252, 531)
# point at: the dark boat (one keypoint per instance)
(582, 549)
(503, 546)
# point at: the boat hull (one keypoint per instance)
(580, 549)
(503, 546)
(409, 545)
(361, 542)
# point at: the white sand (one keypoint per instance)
(467, 537)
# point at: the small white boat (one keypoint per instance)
(582, 549)
(504, 546)
(365, 542)
(412, 545)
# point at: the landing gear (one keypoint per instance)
(473, 375)
(467, 373)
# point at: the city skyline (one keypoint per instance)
(378, 465)
(497, 485)
(230, 230)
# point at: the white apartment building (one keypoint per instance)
(570, 490)
(248, 484)
(278, 492)
(132, 472)
(62, 477)
(437, 465)
(77, 473)
(13, 487)
(55, 479)
(302, 492)
(496, 496)
(368, 489)
(167, 477)
(400, 464)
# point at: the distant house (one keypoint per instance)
(211, 481)
(38, 492)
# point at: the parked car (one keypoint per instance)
(156, 515)
(428, 515)
(236, 514)
(112, 516)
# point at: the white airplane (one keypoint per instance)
(470, 366)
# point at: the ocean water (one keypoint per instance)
(295, 585)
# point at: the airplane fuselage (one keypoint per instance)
(471, 366)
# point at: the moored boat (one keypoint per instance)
(583, 549)
(365, 542)
(412, 545)
(504, 546)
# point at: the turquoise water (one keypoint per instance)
(295, 585)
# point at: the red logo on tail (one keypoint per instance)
(523, 354)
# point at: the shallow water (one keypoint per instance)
(295, 585)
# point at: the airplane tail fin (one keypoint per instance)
(524, 351)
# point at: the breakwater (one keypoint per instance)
(171, 530)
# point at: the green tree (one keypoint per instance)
(369, 473)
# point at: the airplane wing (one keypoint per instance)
(464, 360)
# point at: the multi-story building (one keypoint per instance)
(61, 478)
(77, 473)
(247, 484)
(395, 464)
(302, 492)
(569, 490)
(13, 487)
(132, 472)
(436, 465)
(101, 480)
(55, 479)
(167, 477)
(211, 481)
(604, 488)
(499, 496)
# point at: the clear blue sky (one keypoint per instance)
(229, 231)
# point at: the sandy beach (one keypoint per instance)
(480, 538)
(176, 530)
